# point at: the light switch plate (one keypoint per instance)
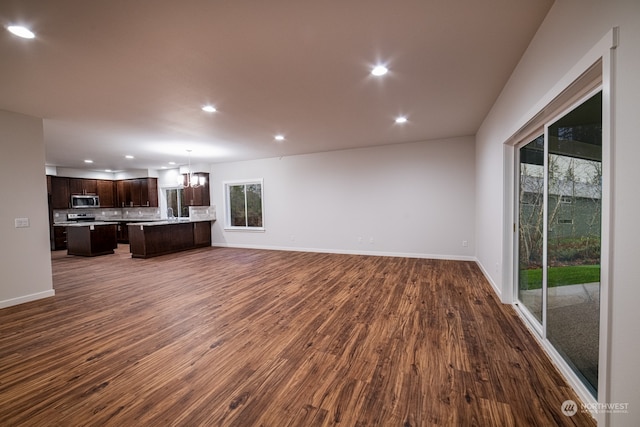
(22, 222)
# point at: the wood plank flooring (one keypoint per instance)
(235, 337)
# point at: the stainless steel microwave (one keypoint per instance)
(84, 201)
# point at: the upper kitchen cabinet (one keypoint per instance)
(149, 191)
(198, 196)
(106, 191)
(60, 196)
(124, 192)
(83, 186)
(137, 192)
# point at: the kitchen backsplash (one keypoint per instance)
(138, 213)
(144, 213)
(110, 214)
(202, 212)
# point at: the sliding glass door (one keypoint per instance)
(573, 247)
(559, 227)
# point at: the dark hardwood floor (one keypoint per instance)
(238, 337)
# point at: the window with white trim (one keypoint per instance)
(244, 205)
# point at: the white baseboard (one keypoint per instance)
(349, 252)
(495, 287)
(26, 298)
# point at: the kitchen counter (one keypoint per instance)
(156, 238)
(84, 223)
(109, 221)
(170, 222)
(134, 219)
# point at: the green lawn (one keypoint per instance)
(560, 276)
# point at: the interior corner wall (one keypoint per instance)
(413, 199)
(569, 31)
(25, 258)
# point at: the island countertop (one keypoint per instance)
(84, 223)
(171, 222)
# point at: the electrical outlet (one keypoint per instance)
(465, 243)
(371, 240)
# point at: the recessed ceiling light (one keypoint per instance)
(279, 137)
(172, 163)
(128, 156)
(209, 109)
(21, 31)
(379, 70)
(88, 161)
(401, 119)
(108, 170)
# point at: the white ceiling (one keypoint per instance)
(116, 77)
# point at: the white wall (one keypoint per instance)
(79, 173)
(94, 174)
(25, 258)
(414, 199)
(570, 30)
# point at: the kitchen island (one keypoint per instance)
(149, 239)
(91, 238)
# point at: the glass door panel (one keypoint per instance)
(574, 165)
(530, 226)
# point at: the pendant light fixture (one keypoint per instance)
(193, 180)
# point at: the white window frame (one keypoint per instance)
(166, 200)
(227, 205)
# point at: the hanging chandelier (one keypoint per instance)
(192, 180)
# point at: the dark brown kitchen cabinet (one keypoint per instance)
(60, 196)
(59, 240)
(198, 196)
(202, 233)
(91, 240)
(123, 192)
(137, 192)
(150, 188)
(75, 186)
(83, 186)
(122, 232)
(167, 237)
(106, 193)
